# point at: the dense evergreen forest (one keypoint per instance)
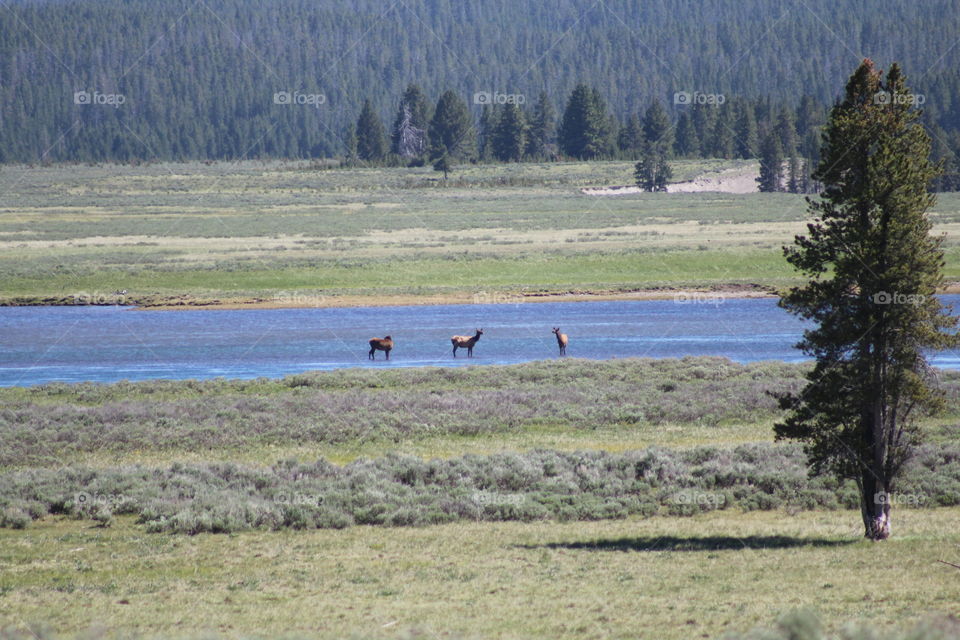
(126, 80)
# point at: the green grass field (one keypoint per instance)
(671, 578)
(605, 576)
(255, 231)
(575, 561)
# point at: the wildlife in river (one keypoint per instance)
(562, 340)
(380, 344)
(465, 342)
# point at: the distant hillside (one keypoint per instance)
(129, 79)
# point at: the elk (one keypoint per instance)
(380, 344)
(465, 342)
(562, 340)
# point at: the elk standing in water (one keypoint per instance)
(465, 342)
(380, 344)
(562, 341)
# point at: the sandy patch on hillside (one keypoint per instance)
(611, 191)
(738, 180)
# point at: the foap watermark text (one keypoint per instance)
(495, 97)
(84, 97)
(696, 97)
(296, 97)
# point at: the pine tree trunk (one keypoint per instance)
(875, 507)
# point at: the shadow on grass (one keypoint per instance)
(701, 543)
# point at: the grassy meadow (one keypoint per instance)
(197, 233)
(427, 412)
(632, 578)
(557, 499)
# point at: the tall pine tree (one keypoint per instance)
(371, 136)
(687, 144)
(488, 124)
(721, 138)
(630, 139)
(657, 128)
(585, 131)
(874, 271)
(543, 126)
(771, 163)
(510, 134)
(451, 130)
(746, 143)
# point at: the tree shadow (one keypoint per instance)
(693, 543)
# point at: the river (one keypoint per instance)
(107, 344)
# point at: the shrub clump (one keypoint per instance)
(398, 490)
(46, 424)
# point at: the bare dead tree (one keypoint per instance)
(411, 140)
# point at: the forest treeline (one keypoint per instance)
(128, 80)
(785, 139)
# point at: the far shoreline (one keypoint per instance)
(347, 301)
(295, 300)
(292, 300)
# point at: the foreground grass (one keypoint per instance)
(724, 568)
(250, 231)
(662, 577)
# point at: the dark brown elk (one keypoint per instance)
(562, 340)
(465, 342)
(380, 344)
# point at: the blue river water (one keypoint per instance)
(107, 344)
